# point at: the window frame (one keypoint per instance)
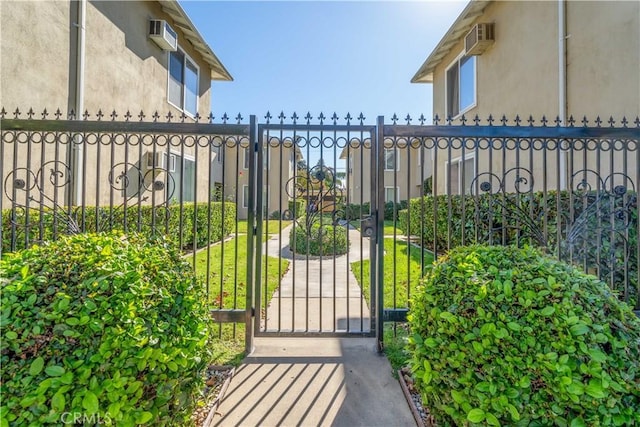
(456, 63)
(245, 188)
(186, 58)
(397, 194)
(246, 157)
(460, 162)
(396, 159)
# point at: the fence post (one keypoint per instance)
(378, 194)
(251, 259)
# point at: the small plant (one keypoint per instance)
(505, 336)
(109, 327)
(319, 239)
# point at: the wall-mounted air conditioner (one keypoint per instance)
(162, 33)
(159, 161)
(479, 39)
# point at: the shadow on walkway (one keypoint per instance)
(314, 382)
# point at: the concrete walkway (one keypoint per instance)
(318, 294)
(314, 382)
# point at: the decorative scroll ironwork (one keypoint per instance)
(598, 236)
(513, 214)
(319, 188)
(595, 218)
(41, 199)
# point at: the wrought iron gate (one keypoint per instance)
(339, 222)
(316, 241)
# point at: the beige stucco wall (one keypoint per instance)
(34, 47)
(406, 177)
(276, 175)
(518, 75)
(124, 71)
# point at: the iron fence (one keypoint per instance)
(183, 179)
(245, 203)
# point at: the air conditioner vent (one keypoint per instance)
(479, 39)
(162, 33)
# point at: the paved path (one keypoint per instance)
(314, 382)
(318, 294)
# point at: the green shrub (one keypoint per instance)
(102, 325)
(47, 225)
(391, 210)
(319, 240)
(529, 215)
(296, 208)
(506, 336)
(353, 211)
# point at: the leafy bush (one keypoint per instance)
(353, 211)
(46, 225)
(319, 239)
(296, 208)
(391, 210)
(102, 325)
(443, 223)
(505, 336)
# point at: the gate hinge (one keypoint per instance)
(255, 231)
(253, 312)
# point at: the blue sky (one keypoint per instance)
(322, 55)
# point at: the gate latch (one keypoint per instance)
(368, 226)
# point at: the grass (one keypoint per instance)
(396, 336)
(389, 229)
(230, 273)
(270, 227)
(405, 267)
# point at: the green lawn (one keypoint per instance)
(405, 267)
(269, 227)
(388, 228)
(232, 275)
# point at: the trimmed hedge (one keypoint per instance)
(102, 325)
(391, 210)
(327, 239)
(296, 208)
(486, 221)
(142, 219)
(505, 336)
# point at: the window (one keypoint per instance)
(245, 196)
(390, 162)
(391, 194)
(217, 153)
(245, 153)
(461, 85)
(183, 82)
(183, 178)
(461, 184)
(267, 207)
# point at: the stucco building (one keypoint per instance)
(404, 170)
(557, 59)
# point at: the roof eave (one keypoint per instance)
(458, 29)
(182, 21)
